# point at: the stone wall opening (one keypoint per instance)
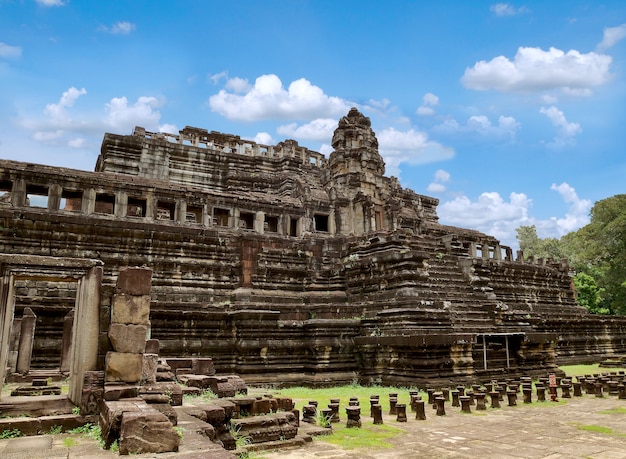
(165, 210)
(136, 207)
(87, 274)
(71, 200)
(271, 224)
(321, 223)
(194, 214)
(105, 203)
(246, 220)
(220, 216)
(37, 196)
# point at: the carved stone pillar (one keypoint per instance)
(27, 338)
(66, 343)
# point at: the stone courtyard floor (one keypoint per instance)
(583, 427)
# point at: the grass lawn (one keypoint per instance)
(581, 370)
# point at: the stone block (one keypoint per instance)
(128, 309)
(152, 346)
(128, 338)
(202, 366)
(117, 391)
(134, 280)
(149, 368)
(123, 367)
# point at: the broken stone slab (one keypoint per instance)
(128, 338)
(117, 391)
(137, 426)
(172, 391)
(34, 391)
(192, 380)
(147, 432)
(134, 280)
(128, 309)
(123, 367)
(259, 429)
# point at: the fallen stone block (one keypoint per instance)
(123, 367)
(129, 338)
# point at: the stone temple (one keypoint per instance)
(282, 265)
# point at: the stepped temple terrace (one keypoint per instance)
(206, 259)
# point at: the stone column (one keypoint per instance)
(27, 338)
(66, 343)
(130, 312)
(14, 343)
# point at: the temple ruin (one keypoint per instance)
(282, 265)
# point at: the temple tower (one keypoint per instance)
(356, 172)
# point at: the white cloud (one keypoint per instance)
(59, 126)
(78, 142)
(506, 128)
(57, 111)
(534, 69)
(8, 51)
(442, 176)
(264, 138)
(320, 129)
(428, 102)
(168, 128)
(567, 131)
(493, 215)
(238, 85)
(268, 99)
(578, 213)
(611, 36)
(437, 186)
(217, 77)
(504, 9)
(119, 28)
(122, 116)
(51, 2)
(411, 147)
(379, 104)
(425, 111)
(326, 149)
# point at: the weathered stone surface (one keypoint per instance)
(128, 338)
(130, 309)
(134, 280)
(123, 367)
(287, 267)
(149, 369)
(272, 427)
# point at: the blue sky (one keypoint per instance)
(510, 113)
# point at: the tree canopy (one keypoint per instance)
(597, 252)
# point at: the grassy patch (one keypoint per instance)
(599, 429)
(69, 442)
(12, 433)
(614, 411)
(370, 436)
(302, 395)
(581, 370)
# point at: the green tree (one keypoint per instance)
(588, 294)
(536, 247)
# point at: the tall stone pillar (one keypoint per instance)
(14, 343)
(27, 338)
(66, 344)
(130, 313)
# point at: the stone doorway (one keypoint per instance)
(87, 274)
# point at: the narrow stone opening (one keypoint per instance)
(321, 222)
(220, 216)
(165, 210)
(136, 207)
(71, 200)
(37, 196)
(293, 227)
(194, 214)
(246, 220)
(271, 224)
(105, 203)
